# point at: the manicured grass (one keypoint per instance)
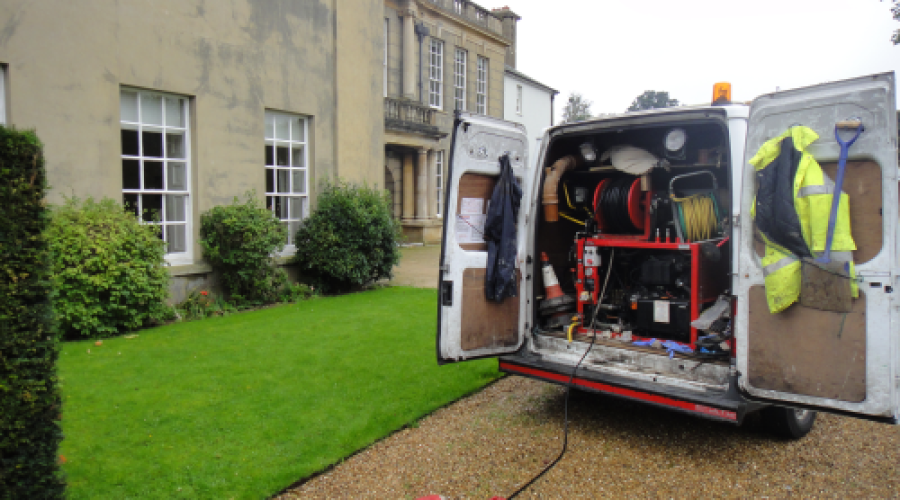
(245, 405)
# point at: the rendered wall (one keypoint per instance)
(360, 90)
(234, 60)
(535, 116)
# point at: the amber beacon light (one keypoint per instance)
(721, 93)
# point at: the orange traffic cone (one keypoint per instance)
(551, 284)
(556, 304)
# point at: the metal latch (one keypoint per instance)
(446, 293)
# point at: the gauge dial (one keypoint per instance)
(588, 152)
(675, 139)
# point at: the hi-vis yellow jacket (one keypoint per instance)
(787, 173)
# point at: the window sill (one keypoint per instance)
(189, 269)
(204, 268)
(284, 259)
(178, 260)
(285, 255)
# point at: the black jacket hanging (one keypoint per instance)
(500, 234)
(776, 216)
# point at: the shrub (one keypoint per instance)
(350, 240)
(239, 241)
(201, 304)
(292, 292)
(108, 269)
(29, 398)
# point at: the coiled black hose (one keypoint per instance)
(612, 205)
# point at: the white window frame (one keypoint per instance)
(458, 7)
(439, 180)
(519, 100)
(481, 86)
(459, 79)
(168, 192)
(386, 39)
(285, 197)
(436, 74)
(2, 94)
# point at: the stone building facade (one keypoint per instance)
(440, 56)
(175, 106)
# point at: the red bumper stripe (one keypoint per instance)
(643, 396)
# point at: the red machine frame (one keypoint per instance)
(703, 286)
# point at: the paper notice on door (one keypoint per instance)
(470, 228)
(471, 206)
(661, 311)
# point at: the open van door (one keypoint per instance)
(805, 357)
(470, 326)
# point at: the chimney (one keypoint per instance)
(508, 20)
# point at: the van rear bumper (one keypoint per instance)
(726, 406)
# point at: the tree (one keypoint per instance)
(896, 11)
(652, 99)
(577, 109)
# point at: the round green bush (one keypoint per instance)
(239, 241)
(350, 240)
(109, 272)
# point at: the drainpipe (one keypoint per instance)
(552, 96)
(421, 31)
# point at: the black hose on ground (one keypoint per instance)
(569, 386)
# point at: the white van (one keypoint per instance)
(664, 303)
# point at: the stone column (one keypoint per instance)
(409, 192)
(422, 186)
(432, 184)
(410, 63)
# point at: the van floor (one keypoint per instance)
(577, 337)
(698, 374)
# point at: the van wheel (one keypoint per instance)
(788, 423)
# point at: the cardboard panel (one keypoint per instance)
(474, 187)
(808, 351)
(486, 323)
(862, 183)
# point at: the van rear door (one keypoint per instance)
(470, 326)
(843, 362)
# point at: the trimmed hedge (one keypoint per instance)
(350, 240)
(108, 269)
(30, 404)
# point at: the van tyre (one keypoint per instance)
(788, 423)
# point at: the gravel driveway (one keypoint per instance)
(493, 441)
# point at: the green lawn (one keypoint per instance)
(243, 406)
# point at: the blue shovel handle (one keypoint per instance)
(838, 186)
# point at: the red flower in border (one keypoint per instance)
(204, 293)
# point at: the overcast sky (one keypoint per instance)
(613, 50)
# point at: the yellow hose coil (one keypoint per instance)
(699, 217)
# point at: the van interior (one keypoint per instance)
(639, 241)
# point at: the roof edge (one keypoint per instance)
(518, 74)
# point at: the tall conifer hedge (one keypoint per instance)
(30, 405)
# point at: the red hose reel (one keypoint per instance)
(636, 204)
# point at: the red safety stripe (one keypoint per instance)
(653, 398)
